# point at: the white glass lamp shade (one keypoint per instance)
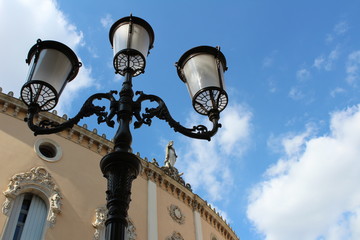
(202, 69)
(131, 39)
(51, 66)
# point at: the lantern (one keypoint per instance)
(202, 69)
(131, 38)
(51, 66)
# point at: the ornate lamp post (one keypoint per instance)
(53, 65)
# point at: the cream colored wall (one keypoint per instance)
(166, 224)
(209, 231)
(77, 174)
(138, 207)
(83, 188)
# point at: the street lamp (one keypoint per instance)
(52, 65)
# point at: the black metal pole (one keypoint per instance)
(120, 167)
(123, 138)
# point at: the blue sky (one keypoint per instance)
(286, 163)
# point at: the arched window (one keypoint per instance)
(27, 218)
(28, 213)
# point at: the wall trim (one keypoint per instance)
(38, 181)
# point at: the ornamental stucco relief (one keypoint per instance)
(99, 225)
(175, 236)
(176, 214)
(38, 179)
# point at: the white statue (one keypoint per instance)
(55, 201)
(170, 156)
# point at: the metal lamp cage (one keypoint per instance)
(131, 38)
(51, 66)
(202, 69)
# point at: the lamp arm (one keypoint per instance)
(162, 112)
(88, 109)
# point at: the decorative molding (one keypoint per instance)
(169, 184)
(153, 161)
(91, 142)
(174, 173)
(16, 108)
(176, 214)
(37, 179)
(81, 138)
(16, 111)
(5, 107)
(109, 150)
(175, 236)
(100, 148)
(213, 237)
(131, 230)
(99, 224)
(70, 133)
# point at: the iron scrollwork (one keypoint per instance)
(162, 112)
(88, 109)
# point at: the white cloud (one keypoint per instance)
(107, 21)
(23, 22)
(203, 161)
(353, 67)
(93, 52)
(303, 74)
(236, 128)
(319, 61)
(293, 143)
(329, 38)
(220, 212)
(316, 195)
(339, 29)
(267, 62)
(296, 94)
(327, 62)
(272, 85)
(83, 80)
(204, 169)
(337, 91)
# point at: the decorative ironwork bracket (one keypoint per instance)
(88, 109)
(162, 112)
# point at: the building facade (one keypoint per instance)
(52, 188)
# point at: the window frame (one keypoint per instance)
(37, 181)
(37, 209)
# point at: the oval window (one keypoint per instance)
(48, 150)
